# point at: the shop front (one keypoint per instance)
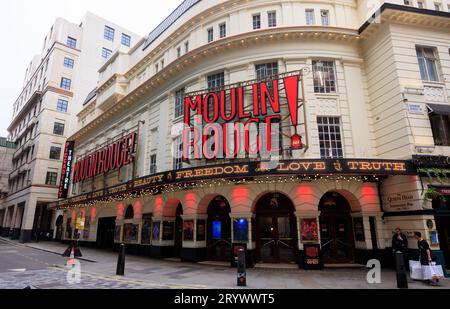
(273, 214)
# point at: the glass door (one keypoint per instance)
(275, 239)
(267, 239)
(336, 239)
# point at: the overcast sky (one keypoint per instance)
(26, 22)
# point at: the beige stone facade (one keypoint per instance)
(375, 75)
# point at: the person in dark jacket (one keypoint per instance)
(399, 241)
(425, 254)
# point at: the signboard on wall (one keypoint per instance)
(299, 167)
(245, 131)
(66, 170)
(109, 158)
(401, 201)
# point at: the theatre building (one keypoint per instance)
(294, 129)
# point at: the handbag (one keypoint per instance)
(432, 272)
(415, 270)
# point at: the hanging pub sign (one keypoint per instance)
(244, 119)
(109, 158)
(66, 170)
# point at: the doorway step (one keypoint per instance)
(287, 266)
(215, 263)
(173, 259)
(344, 265)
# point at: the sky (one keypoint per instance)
(25, 24)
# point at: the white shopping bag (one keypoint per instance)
(432, 272)
(415, 270)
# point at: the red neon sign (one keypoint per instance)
(218, 109)
(109, 158)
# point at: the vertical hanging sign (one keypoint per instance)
(66, 170)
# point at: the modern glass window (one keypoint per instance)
(71, 42)
(440, 125)
(55, 153)
(153, 167)
(62, 105)
(272, 19)
(106, 53)
(178, 153)
(330, 138)
(216, 81)
(222, 30)
(179, 103)
(58, 128)
(310, 19)
(324, 76)
(51, 178)
(68, 63)
(109, 33)
(65, 83)
(256, 21)
(266, 70)
(126, 40)
(427, 63)
(210, 35)
(325, 17)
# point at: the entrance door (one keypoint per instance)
(105, 233)
(178, 239)
(275, 229)
(443, 230)
(336, 230)
(219, 230)
(276, 243)
(59, 228)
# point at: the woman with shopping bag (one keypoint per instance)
(431, 272)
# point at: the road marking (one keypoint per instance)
(18, 270)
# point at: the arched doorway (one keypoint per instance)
(276, 231)
(219, 230)
(59, 227)
(336, 229)
(178, 238)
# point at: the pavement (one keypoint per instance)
(40, 266)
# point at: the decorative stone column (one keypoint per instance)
(194, 238)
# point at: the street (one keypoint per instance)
(30, 265)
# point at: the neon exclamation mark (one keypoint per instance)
(291, 86)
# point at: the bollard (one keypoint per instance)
(402, 282)
(241, 272)
(121, 261)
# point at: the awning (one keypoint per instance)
(439, 109)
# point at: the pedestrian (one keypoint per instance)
(399, 241)
(425, 255)
(400, 244)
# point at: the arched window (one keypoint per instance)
(129, 214)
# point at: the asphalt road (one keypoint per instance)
(17, 258)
